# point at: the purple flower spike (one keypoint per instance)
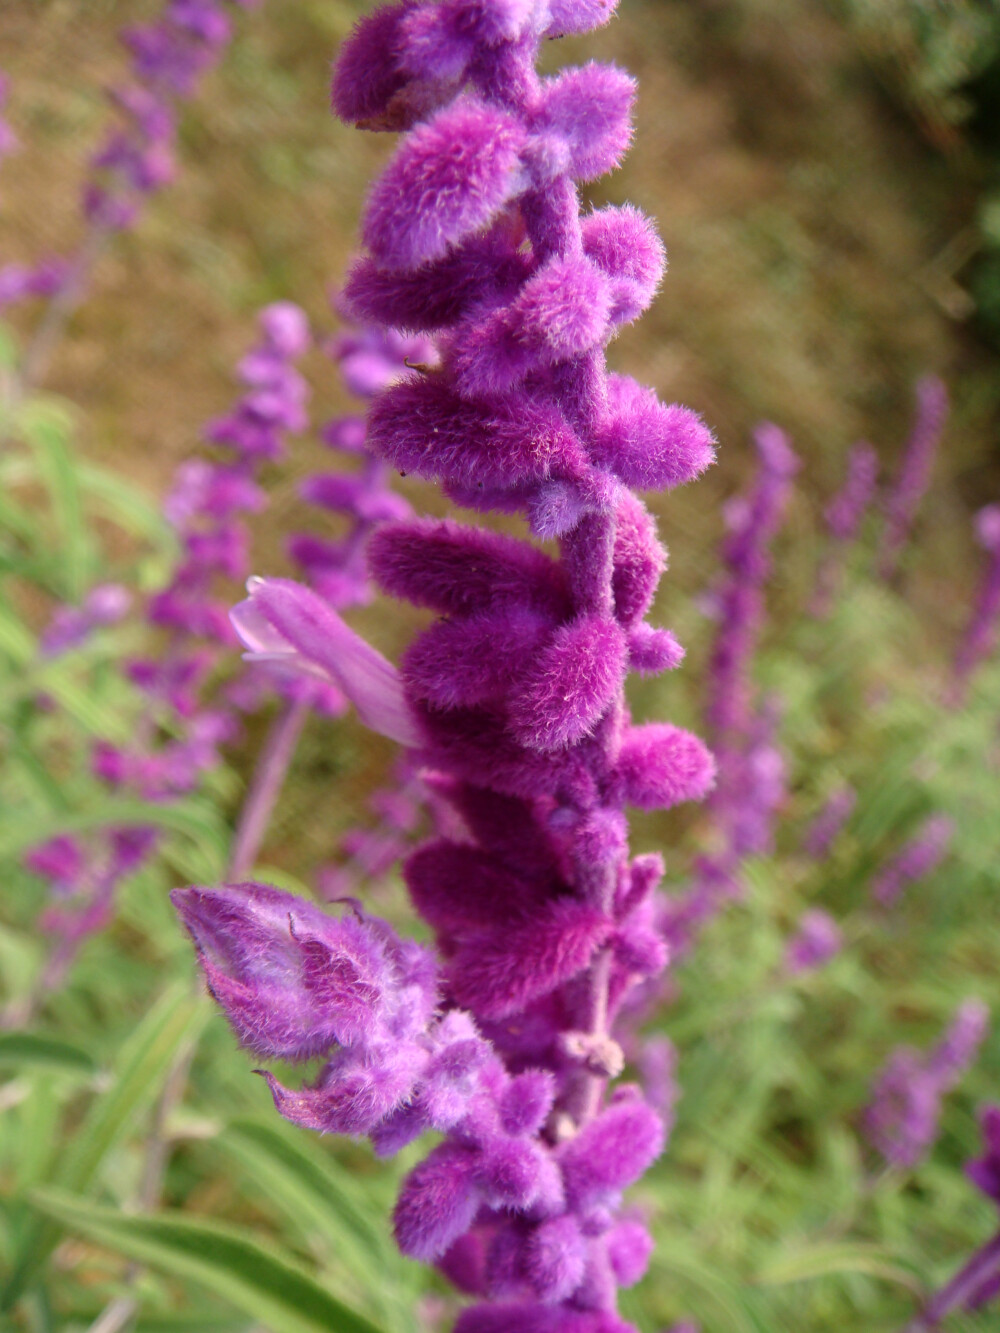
(918, 858)
(283, 621)
(450, 177)
(817, 939)
(984, 1172)
(829, 822)
(901, 1120)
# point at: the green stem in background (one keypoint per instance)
(269, 777)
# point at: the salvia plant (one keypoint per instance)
(584, 1038)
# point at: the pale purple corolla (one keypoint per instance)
(288, 624)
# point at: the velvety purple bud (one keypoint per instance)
(420, 426)
(569, 685)
(368, 76)
(649, 444)
(526, 1102)
(438, 1202)
(984, 1172)
(513, 1173)
(441, 38)
(499, 973)
(455, 570)
(447, 180)
(623, 243)
(918, 858)
(502, 825)
(457, 888)
(464, 1264)
(285, 622)
(457, 663)
(561, 312)
(651, 651)
(817, 939)
(660, 765)
(610, 1152)
(638, 561)
(629, 1248)
(473, 741)
(356, 1091)
(569, 16)
(555, 1258)
(293, 981)
(590, 109)
(436, 296)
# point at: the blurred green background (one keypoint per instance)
(825, 178)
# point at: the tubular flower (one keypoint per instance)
(513, 697)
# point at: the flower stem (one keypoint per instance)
(962, 1289)
(265, 787)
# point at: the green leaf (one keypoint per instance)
(47, 427)
(324, 1200)
(261, 1279)
(19, 1050)
(192, 818)
(824, 1260)
(143, 1064)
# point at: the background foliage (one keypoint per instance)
(827, 199)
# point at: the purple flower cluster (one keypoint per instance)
(743, 729)
(180, 734)
(901, 1120)
(136, 158)
(916, 859)
(817, 939)
(843, 517)
(512, 699)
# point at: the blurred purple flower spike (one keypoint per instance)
(817, 939)
(901, 1120)
(286, 622)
